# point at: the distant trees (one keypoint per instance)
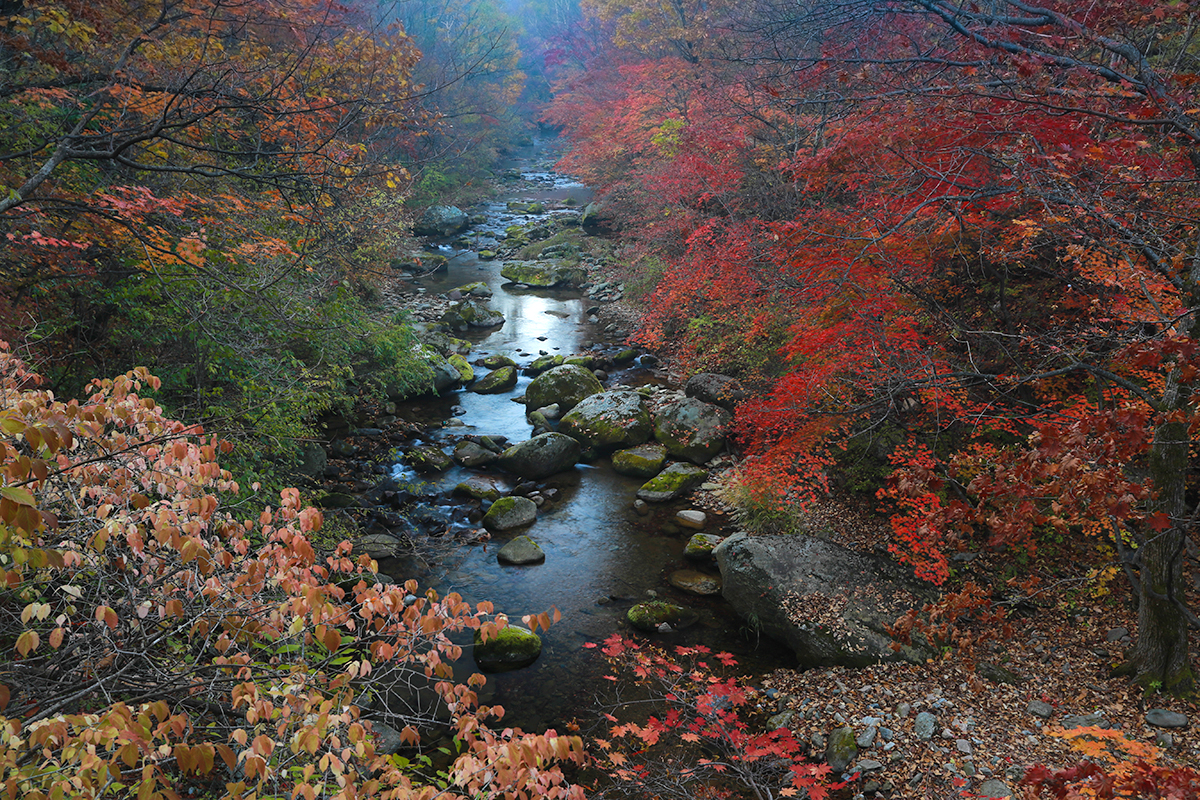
(969, 230)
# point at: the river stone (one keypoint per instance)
(643, 461)
(840, 748)
(543, 363)
(924, 726)
(497, 361)
(512, 648)
(476, 289)
(466, 373)
(496, 381)
(470, 454)
(483, 487)
(1162, 718)
(855, 597)
(510, 512)
(566, 385)
(388, 740)
(338, 500)
(471, 314)
(719, 390)
(608, 420)
(993, 789)
(691, 428)
(650, 617)
(700, 546)
(377, 545)
(521, 550)
(692, 582)
(541, 456)
(441, 221)
(692, 519)
(543, 274)
(428, 459)
(672, 482)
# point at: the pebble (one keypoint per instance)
(1040, 708)
(1117, 634)
(903, 710)
(963, 746)
(924, 726)
(867, 737)
(1162, 718)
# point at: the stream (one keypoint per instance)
(601, 556)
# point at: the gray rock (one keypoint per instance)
(1040, 708)
(674, 481)
(313, 460)
(762, 582)
(377, 545)
(643, 461)
(428, 459)
(650, 617)
(781, 720)
(388, 740)
(498, 380)
(963, 746)
(483, 487)
(543, 274)
(1162, 718)
(692, 582)
(521, 550)
(510, 512)
(541, 456)
(608, 421)
(719, 390)
(867, 737)
(691, 429)
(1093, 720)
(868, 765)
(924, 726)
(441, 221)
(471, 454)
(841, 749)
(993, 788)
(566, 385)
(700, 546)
(1116, 635)
(691, 518)
(471, 314)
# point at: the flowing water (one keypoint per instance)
(601, 557)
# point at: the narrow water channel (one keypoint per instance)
(601, 557)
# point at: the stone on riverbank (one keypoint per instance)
(651, 617)
(466, 373)
(541, 456)
(565, 385)
(719, 390)
(691, 429)
(496, 381)
(496, 361)
(829, 603)
(471, 314)
(693, 582)
(512, 648)
(674, 481)
(700, 546)
(483, 487)
(608, 420)
(441, 221)
(471, 454)
(543, 274)
(427, 459)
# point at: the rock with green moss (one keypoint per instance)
(487, 255)
(471, 314)
(496, 361)
(512, 648)
(541, 456)
(608, 421)
(543, 363)
(841, 749)
(693, 582)
(472, 454)
(544, 274)
(476, 289)
(674, 481)
(466, 372)
(428, 459)
(565, 385)
(496, 381)
(583, 361)
(483, 487)
(510, 512)
(643, 461)
(691, 428)
(521, 550)
(625, 356)
(653, 616)
(700, 546)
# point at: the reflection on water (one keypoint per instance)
(601, 557)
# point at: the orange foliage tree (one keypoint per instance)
(155, 641)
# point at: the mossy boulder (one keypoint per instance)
(441, 221)
(543, 274)
(496, 381)
(841, 748)
(521, 550)
(513, 647)
(691, 428)
(608, 420)
(466, 372)
(643, 461)
(700, 546)
(472, 454)
(428, 459)
(497, 361)
(471, 314)
(651, 617)
(487, 255)
(483, 487)
(510, 512)
(543, 363)
(674, 481)
(565, 385)
(476, 289)
(541, 456)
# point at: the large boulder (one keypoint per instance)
(471, 314)
(643, 461)
(496, 381)
(828, 603)
(720, 390)
(510, 512)
(597, 219)
(541, 456)
(521, 550)
(441, 221)
(443, 376)
(565, 385)
(608, 421)
(543, 274)
(691, 429)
